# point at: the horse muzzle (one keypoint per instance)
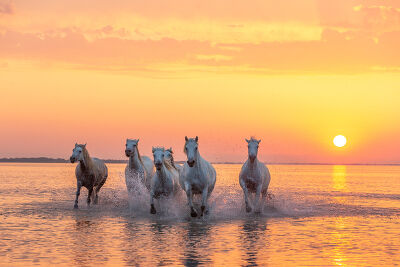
(128, 153)
(190, 163)
(158, 165)
(252, 157)
(72, 159)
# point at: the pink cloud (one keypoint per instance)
(335, 53)
(6, 7)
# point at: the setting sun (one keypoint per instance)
(339, 141)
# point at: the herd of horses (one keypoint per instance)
(196, 177)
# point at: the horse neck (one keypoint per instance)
(199, 162)
(162, 173)
(135, 162)
(87, 162)
(253, 165)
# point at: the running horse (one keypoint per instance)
(90, 172)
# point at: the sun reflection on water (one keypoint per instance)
(339, 178)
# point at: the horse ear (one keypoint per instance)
(76, 144)
(197, 138)
(85, 145)
(170, 149)
(152, 149)
(259, 141)
(186, 139)
(248, 141)
(137, 141)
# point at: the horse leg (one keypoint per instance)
(204, 197)
(152, 208)
(96, 198)
(264, 195)
(189, 195)
(246, 195)
(78, 192)
(89, 195)
(257, 198)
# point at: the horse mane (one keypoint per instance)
(172, 161)
(169, 165)
(88, 160)
(139, 157)
(253, 138)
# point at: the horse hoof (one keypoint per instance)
(203, 208)
(152, 210)
(248, 209)
(193, 214)
(76, 206)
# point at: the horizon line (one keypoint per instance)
(116, 161)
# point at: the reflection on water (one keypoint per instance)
(339, 182)
(340, 241)
(85, 234)
(320, 215)
(196, 243)
(339, 177)
(253, 239)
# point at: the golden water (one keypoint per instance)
(318, 215)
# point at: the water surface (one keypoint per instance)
(318, 215)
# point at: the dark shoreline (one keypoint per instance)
(60, 160)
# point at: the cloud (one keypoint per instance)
(216, 58)
(370, 16)
(6, 7)
(336, 52)
(379, 17)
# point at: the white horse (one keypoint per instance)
(139, 167)
(165, 181)
(90, 172)
(197, 177)
(169, 156)
(254, 176)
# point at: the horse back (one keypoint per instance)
(101, 166)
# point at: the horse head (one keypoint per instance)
(158, 154)
(131, 146)
(191, 150)
(169, 154)
(252, 145)
(77, 152)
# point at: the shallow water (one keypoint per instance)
(317, 215)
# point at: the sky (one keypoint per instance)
(292, 73)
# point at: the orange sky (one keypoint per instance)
(293, 73)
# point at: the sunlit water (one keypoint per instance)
(318, 215)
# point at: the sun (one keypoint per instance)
(339, 141)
